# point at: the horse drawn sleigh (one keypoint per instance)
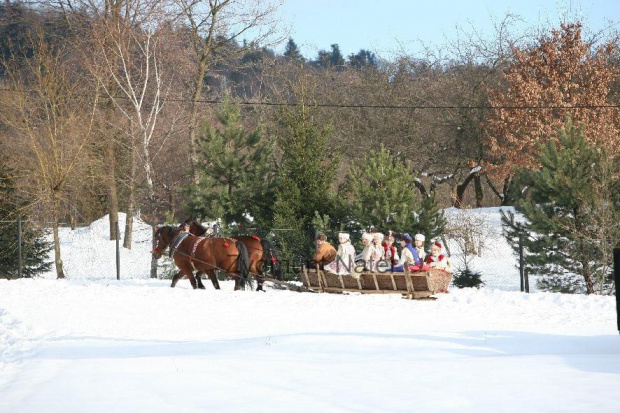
(246, 256)
(421, 284)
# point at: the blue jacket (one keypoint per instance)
(414, 252)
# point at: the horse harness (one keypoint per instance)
(181, 236)
(176, 242)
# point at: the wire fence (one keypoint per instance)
(87, 252)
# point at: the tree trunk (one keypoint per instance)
(112, 190)
(73, 217)
(193, 115)
(503, 197)
(478, 189)
(153, 261)
(588, 278)
(148, 171)
(131, 205)
(460, 191)
(60, 274)
(420, 187)
(129, 223)
(506, 200)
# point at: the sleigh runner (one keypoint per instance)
(413, 285)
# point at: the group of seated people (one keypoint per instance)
(379, 255)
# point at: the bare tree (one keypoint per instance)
(128, 55)
(49, 108)
(213, 25)
(471, 233)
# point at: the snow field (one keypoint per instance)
(138, 345)
(92, 343)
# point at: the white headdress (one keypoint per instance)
(420, 237)
(343, 235)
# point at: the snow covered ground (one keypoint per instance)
(91, 343)
(138, 345)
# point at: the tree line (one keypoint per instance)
(168, 109)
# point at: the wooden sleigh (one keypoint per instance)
(412, 285)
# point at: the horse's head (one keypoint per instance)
(163, 237)
(196, 229)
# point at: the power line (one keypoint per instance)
(373, 106)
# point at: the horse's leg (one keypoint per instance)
(192, 279)
(259, 283)
(176, 279)
(199, 280)
(213, 278)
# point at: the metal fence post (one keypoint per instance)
(118, 253)
(526, 276)
(521, 263)
(19, 247)
(617, 279)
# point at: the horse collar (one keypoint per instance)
(176, 241)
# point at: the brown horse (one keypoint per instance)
(260, 251)
(203, 255)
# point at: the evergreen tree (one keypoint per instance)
(467, 278)
(429, 220)
(304, 182)
(381, 192)
(235, 172)
(363, 58)
(292, 51)
(336, 58)
(564, 233)
(329, 59)
(35, 249)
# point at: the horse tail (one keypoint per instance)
(269, 255)
(243, 264)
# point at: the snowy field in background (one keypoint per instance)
(91, 343)
(87, 252)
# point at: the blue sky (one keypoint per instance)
(388, 26)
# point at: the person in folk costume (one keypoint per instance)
(377, 252)
(418, 242)
(325, 253)
(437, 260)
(366, 254)
(389, 251)
(409, 256)
(345, 258)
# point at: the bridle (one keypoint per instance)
(158, 249)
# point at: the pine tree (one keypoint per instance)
(235, 172)
(563, 227)
(336, 58)
(429, 220)
(35, 249)
(292, 51)
(304, 182)
(382, 192)
(363, 58)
